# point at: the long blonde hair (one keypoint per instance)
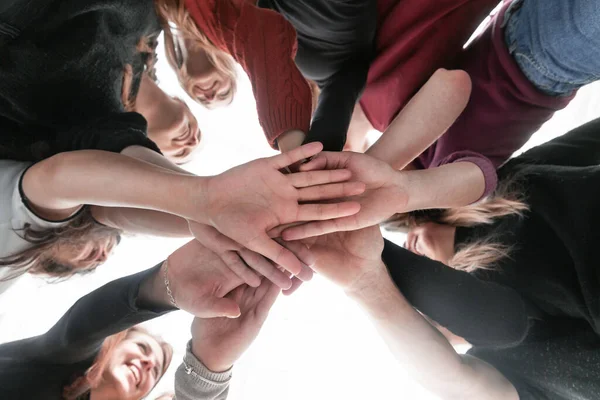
(93, 376)
(80, 230)
(175, 12)
(482, 253)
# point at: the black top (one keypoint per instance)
(552, 273)
(335, 48)
(61, 73)
(39, 367)
(559, 362)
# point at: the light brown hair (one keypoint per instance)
(93, 376)
(482, 253)
(175, 12)
(81, 229)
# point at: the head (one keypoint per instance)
(431, 233)
(128, 367)
(432, 240)
(76, 248)
(171, 124)
(206, 73)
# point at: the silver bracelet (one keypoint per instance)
(167, 286)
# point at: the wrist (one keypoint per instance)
(290, 140)
(152, 292)
(209, 356)
(197, 206)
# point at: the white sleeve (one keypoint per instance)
(15, 214)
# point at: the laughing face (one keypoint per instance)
(135, 367)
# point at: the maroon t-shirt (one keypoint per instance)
(505, 109)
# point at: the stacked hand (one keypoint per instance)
(242, 261)
(385, 194)
(246, 202)
(349, 259)
(219, 342)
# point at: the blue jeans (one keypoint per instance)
(556, 43)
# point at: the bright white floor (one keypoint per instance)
(316, 345)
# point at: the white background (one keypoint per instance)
(316, 344)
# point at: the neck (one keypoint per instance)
(151, 100)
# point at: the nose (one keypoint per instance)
(147, 363)
(194, 139)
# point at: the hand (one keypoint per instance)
(246, 202)
(199, 281)
(241, 261)
(349, 258)
(385, 194)
(219, 342)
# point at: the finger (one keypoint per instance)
(267, 300)
(218, 307)
(238, 267)
(276, 232)
(301, 251)
(317, 163)
(296, 283)
(312, 178)
(276, 253)
(265, 268)
(300, 153)
(318, 228)
(318, 212)
(331, 191)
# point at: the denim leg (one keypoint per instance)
(556, 43)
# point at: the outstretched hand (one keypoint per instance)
(246, 202)
(385, 193)
(219, 342)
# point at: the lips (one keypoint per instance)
(137, 374)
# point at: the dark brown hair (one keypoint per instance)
(80, 230)
(93, 376)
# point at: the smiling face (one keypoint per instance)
(136, 365)
(434, 241)
(208, 78)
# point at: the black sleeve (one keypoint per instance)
(113, 133)
(335, 48)
(337, 99)
(79, 334)
(577, 148)
(484, 313)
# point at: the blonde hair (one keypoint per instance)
(482, 253)
(80, 230)
(175, 12)
(93, 376)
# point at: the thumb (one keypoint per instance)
(219, 307)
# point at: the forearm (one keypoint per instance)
(424, 119)
(112, 180)
(290, 140)
(152, 157)
(141, 221)
(425, 353)
(451, 185)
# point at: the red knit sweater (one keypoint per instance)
(264, 44)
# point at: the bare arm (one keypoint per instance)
(450, 185)
(58, 185)
(426, 354)
(424, 119)
(143, 222)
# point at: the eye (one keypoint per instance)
(143, 347)
(178, 53)
(225, 95)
